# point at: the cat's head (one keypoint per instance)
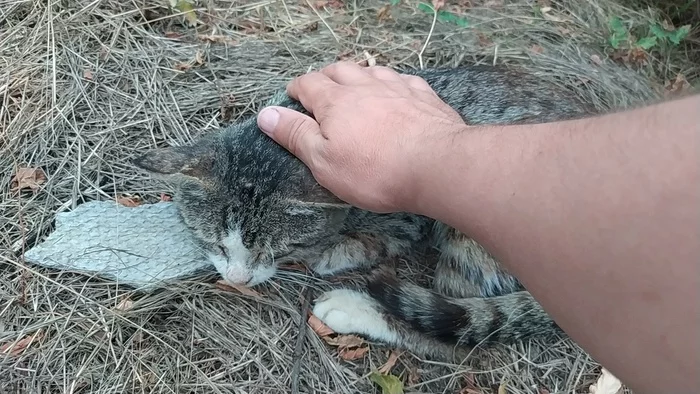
(249, 202)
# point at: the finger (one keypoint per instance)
(383, 73)
(417, 82)
(296, 132)
(311, 89)
(346, 73)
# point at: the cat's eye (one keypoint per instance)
(222, 249)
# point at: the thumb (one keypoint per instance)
(296, 132)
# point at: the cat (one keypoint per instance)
(252, 205)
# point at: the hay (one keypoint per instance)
(88, 85)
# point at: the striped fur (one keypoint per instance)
(252, 206)
(472, 302)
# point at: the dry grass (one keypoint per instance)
(87, 85)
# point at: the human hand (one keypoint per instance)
(372, 132)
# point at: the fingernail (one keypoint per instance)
(268, 119)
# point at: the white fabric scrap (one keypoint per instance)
(139, 246)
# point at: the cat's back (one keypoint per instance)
(489, 95)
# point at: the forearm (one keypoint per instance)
(577, 213)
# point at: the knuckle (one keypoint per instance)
(416, 80)
(296, 129)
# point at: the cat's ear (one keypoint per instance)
(195, 161)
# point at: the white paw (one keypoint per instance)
(350, 312)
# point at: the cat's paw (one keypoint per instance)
(347, 311)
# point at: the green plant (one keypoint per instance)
(618, 32)
(675, 36)
(444, 16)
(620, 35)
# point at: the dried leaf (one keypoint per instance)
(182, 66)
(676, 87)
(494, 4)
(502, 388)
(549, 14)
(469, 386)
(128, 201)
(349, 354)
(126, 304)
(634, 56)
(543, 390)
(536, 49)
(345, 341)
(638, 56)
(345, 55)
(328, 3)
(27, 178)
(216, 39)
(389, 364)
(384, 13)
(607, 384)
(313, 26)
(16, 348)
(199, 58)
(87, 74)
(563, 31)
(187, 9)
(596, 60)
(390, 384)
(438, 4)
(172, 35)
(484, 40)
(319, 328)
(221, 285)
(165, 197)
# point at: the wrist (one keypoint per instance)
(437, 164)
(468, 178)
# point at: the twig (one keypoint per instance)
(299, 346)
(427, 40)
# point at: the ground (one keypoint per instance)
(88, 85)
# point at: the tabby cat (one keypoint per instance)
(252, 205)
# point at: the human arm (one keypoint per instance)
(598, 218)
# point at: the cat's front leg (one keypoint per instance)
(348, 311)
(349, 254)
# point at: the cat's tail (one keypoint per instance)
(465, 321)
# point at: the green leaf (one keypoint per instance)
(187, 9)
(679, 34)
(395, 2)
(390, 384)
(617, 27)
(444, 16)
(619, 32)
(658, 31)
(426, 8)
(647, 42)
(675, 36)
